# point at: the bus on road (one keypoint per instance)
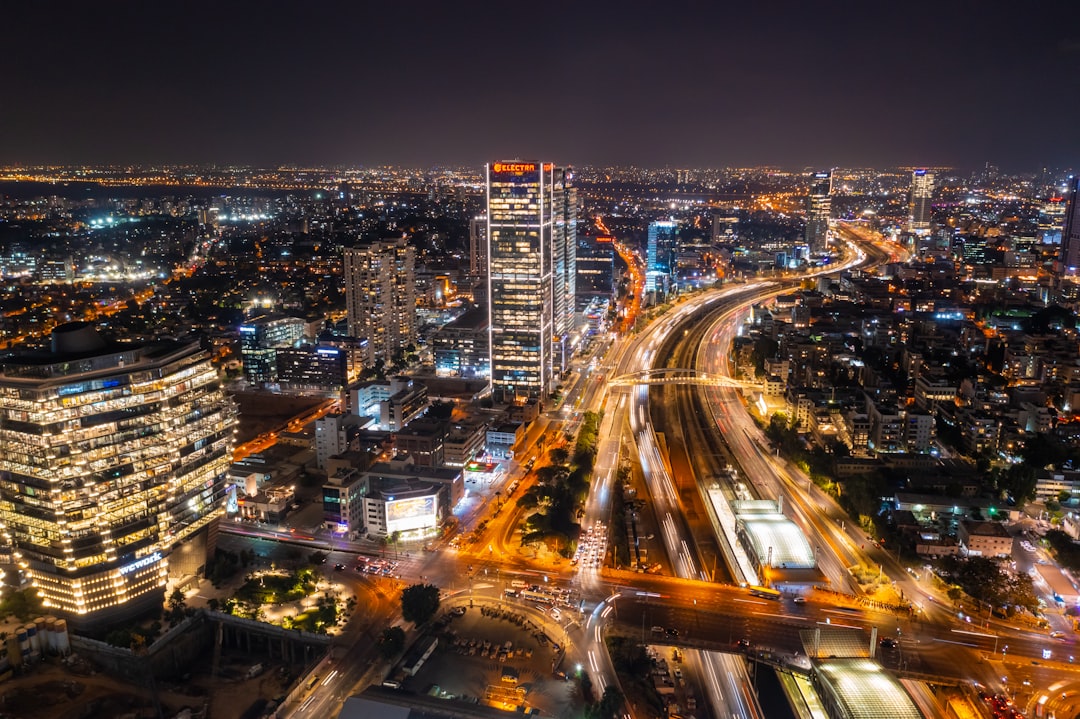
(764, 593)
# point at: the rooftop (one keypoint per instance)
(865, 690)
(778, 541)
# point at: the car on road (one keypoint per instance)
(888, 643)
(1057, 634)
(743, 643)
(339, 567)
(671, 632)
(799, 600)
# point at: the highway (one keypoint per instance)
(709, 616)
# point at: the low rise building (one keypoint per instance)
(424, 440)
(984, 539)
(343, 503)
(408, 500)
(464, 442)
(502, 438)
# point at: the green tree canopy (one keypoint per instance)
(419, 602)
(391, 642)
(609, 707)
(559, 456)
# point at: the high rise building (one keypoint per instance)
(1070, 236)
(564, 268)
(725, 224)
(922, 193)
(595, 270)
(113, 465)
(1051, 220)
(660, 255)
(380, 296)
(818, 210)
(478, 247)
(260, 340)
(532, 227)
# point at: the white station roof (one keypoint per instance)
(778, 542)
(864, 690)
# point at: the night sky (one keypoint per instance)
(687, 84)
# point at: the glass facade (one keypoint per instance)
(922, 194)
(660, 254)
(261, 338)
(108, 463)
(532, 222)
(818, 210)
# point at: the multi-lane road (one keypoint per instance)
(707, 615)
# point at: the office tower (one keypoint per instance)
(461, 346)
(113, 468)
(313, 368)
(659, 255)
(1070, 236)
(818, 209)
(564, 269)
(532, 224)
(380, 296)
(922, 192)
(478, 247)
(595, 270)
(1051, 220)
(725, 223)
(260, 340)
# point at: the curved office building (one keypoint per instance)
(113, 462)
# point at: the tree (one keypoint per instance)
(559, 455)
(441, 410)
(23, 604)
(585, 682)
(609, 707)
(177, 606)
(419, 602)
(392, 642)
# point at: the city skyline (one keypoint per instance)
(361, 85)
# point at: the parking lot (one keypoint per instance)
(500, 654)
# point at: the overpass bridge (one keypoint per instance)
(677, 375)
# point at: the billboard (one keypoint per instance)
(403, 515)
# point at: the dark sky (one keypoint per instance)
(667, 83)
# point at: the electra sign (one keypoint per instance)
(514, 167)
(140, 563)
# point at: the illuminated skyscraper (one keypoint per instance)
(531, 231)
(659, 255)
(478, 246)
(922, 192)
(380, 296)
(818, 210)
(1070, 236)
(1051, 220)
(113, 464)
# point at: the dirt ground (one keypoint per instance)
(261, 412)
(53, 690)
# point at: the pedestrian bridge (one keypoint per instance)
(673, 375)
